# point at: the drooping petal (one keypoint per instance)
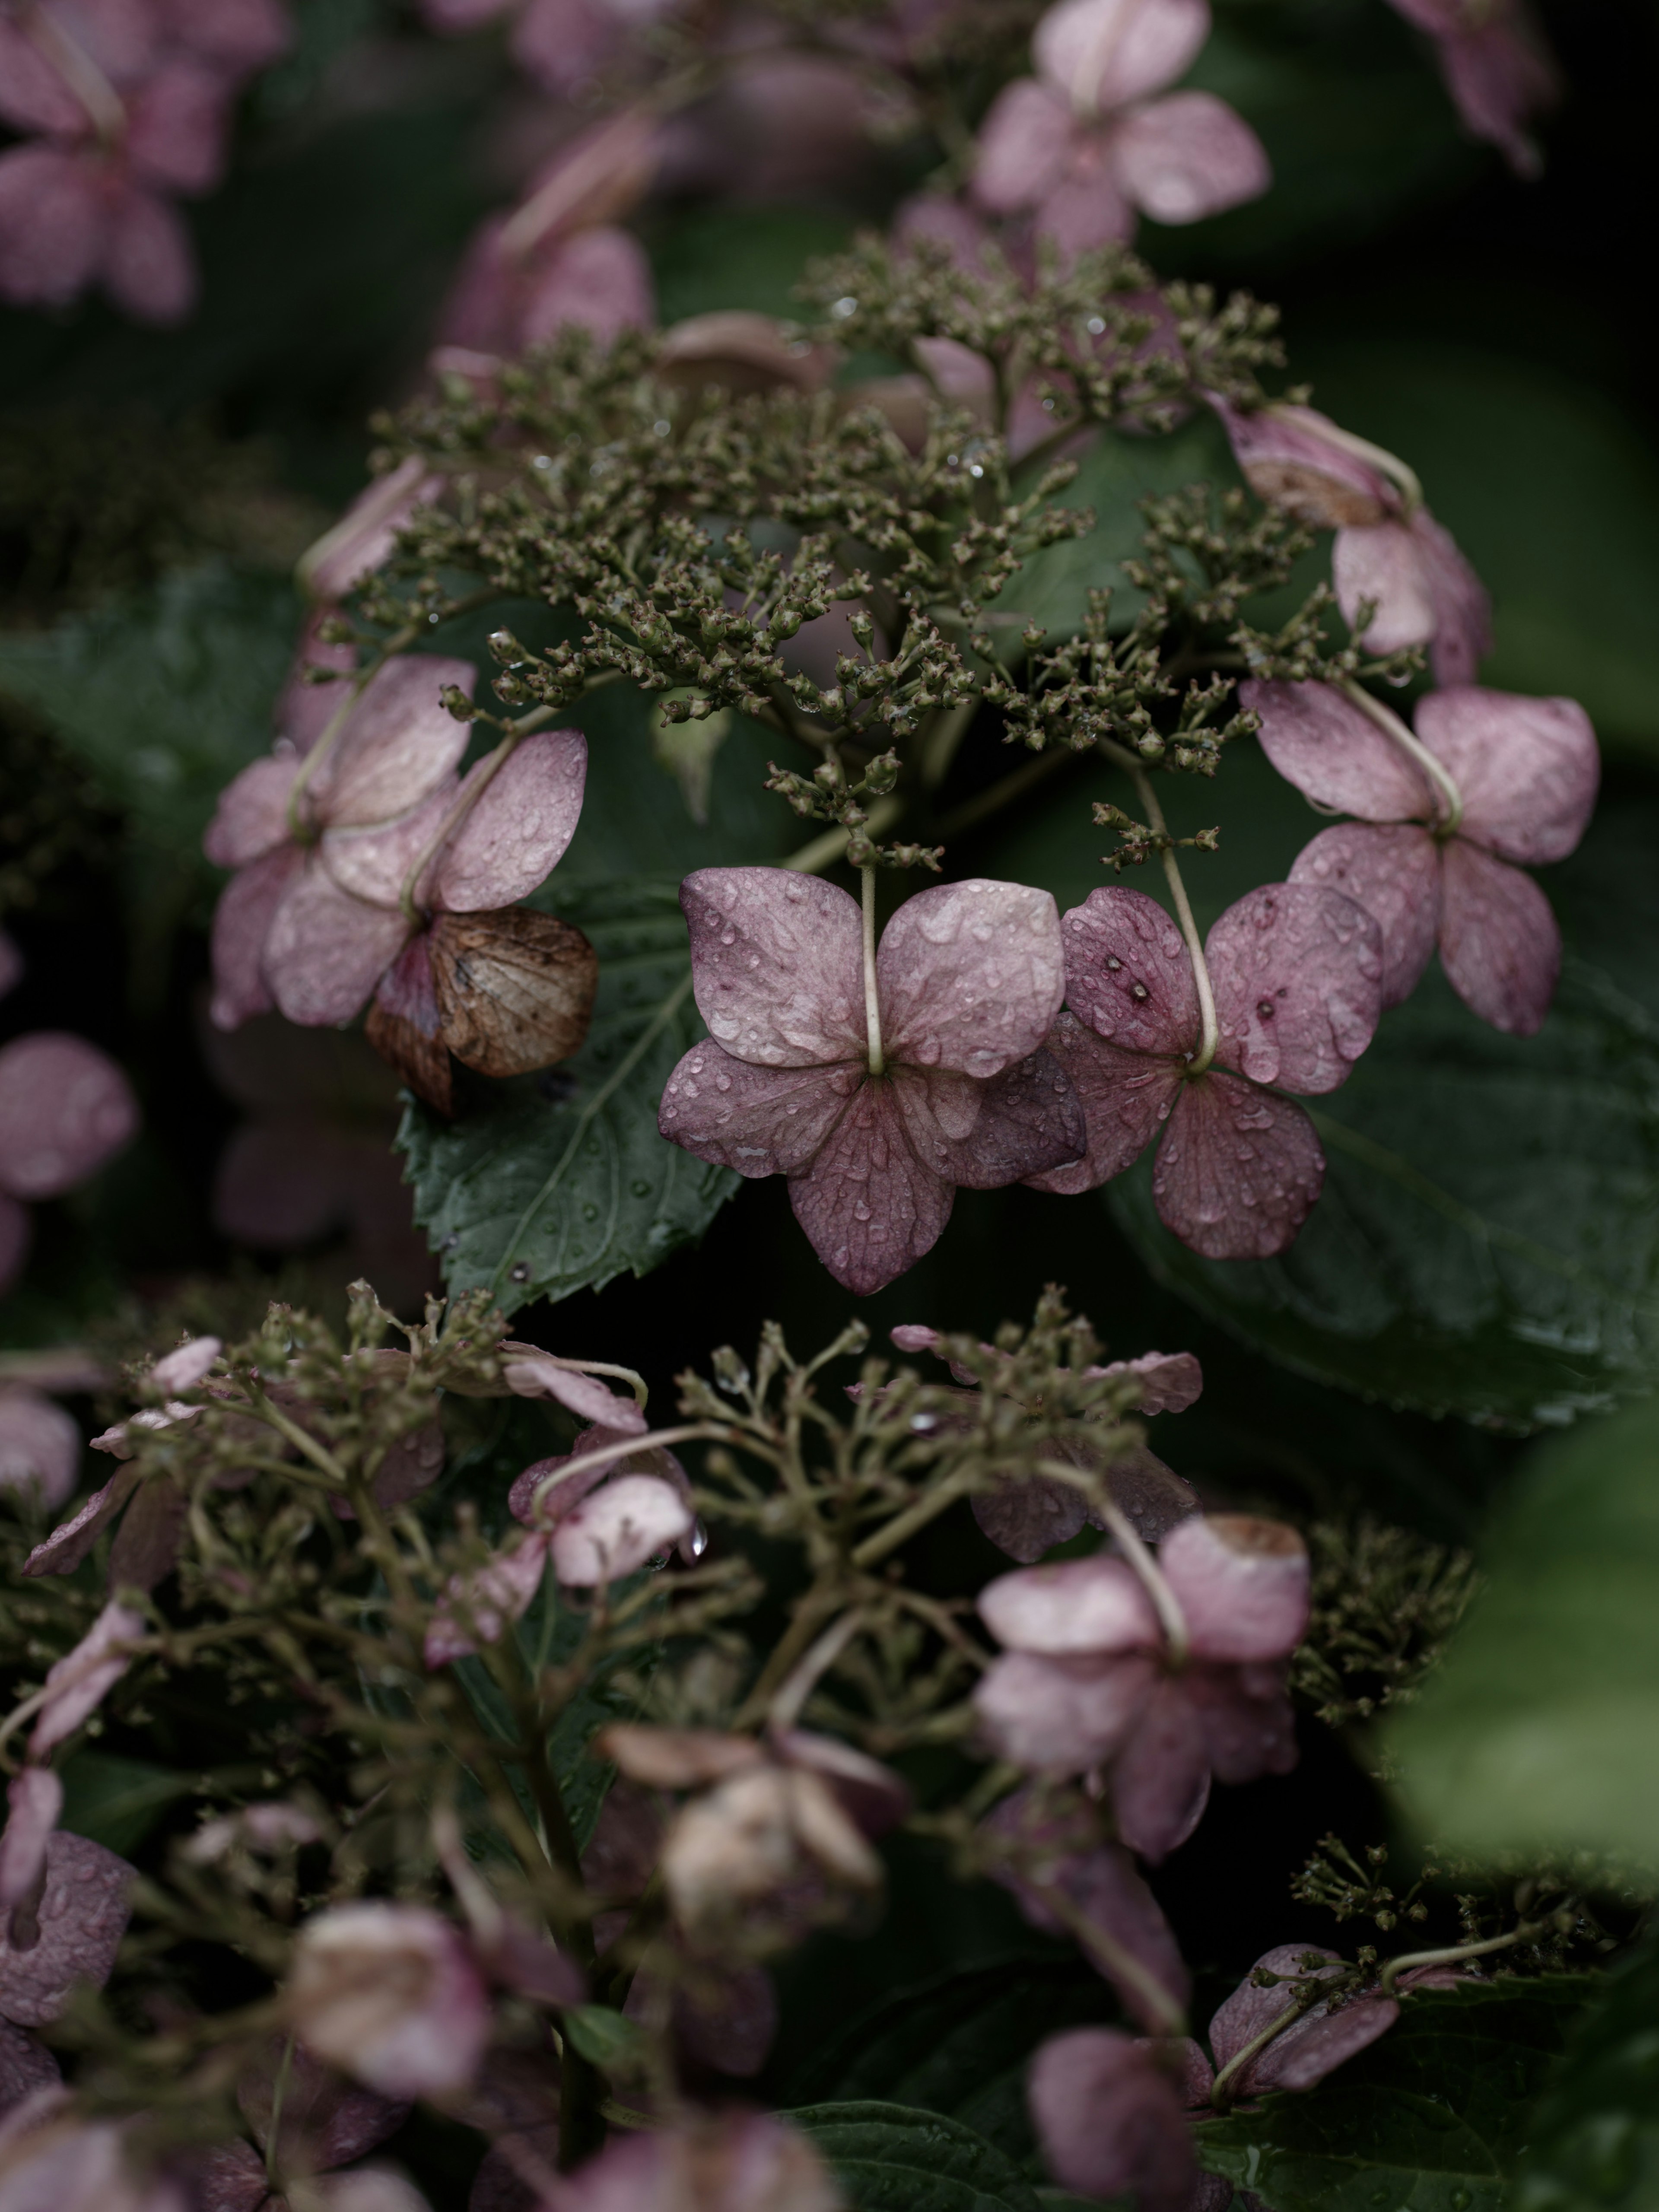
(1169, 1381)
(1297, 975)
(1127, 973)
(515, 989)
(65, 1109)
(1074, 1606)
(324, 950)
(1238, 1171)
(1527, 768)
(62, 1551)
(398, 744)
(1336, 754)
(970, 976)
(1024, 1122)
(53, 224)
(1287, 460)
(375, 863)
(1250, 1729)
(476, 1608)
(600, 281)
(1060, 1715)
(149, 263)
(1499, 75)
(1243, 2016)
(1499, 942)
(760, 1120)
(517, 831)
(1026, 1516)
(1243, 1583)
(34, 1799)
(537, 1374)
(1188, 156)
(1161, 1778)
(1126, 1096)
(1023, 143)
(1102, 54)
(617, 1530)
(1109, 2120)
(777, 959)
(251, 815)
(389, 1993)
(80, 1681)
(83, 1915)
(1392, 870)
(869, 1205)
(1462, 611)
(363, 539)
(39, 1447)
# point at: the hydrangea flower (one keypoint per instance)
(67, 1929)
(1110, 2117)
(65, 1109)
(1389, 551)
(1295, 970)
(1514, 780)
(874, 1123)
(1091, 1675)
(1083, 145)
(391, 1994)
(1496, 67)
(322, 2122)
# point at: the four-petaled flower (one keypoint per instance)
(1296, 973)
(1430, 855)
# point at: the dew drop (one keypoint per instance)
(1139, 991)
(520, 1273)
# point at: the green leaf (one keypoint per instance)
(1531, 1734)
(1593, 2141)
(602, 2036)
(117, 1801)
(751, 257)
(890, 2158)
(1431, 2119)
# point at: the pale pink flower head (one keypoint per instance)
(1296, 971)
(967, 979)
(1109, 2119)
(391, 1994)
(1525, 771)
(1083, 146)
(66, 1929)
(1498, 69)
(65, 1109)
(1090, 1678)
(736, 2161)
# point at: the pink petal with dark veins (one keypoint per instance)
(1075, 1606)
(1188, 156)
(1126, 1096)
(1392, 870)
(65, 1109)
(1288, 461)
(1462, 611)
(1161, 1778)
(39, 1447)
(970, 976)
(251, 816)
(325, 951)
(1383, 562)
(148, 265)
(598, 280)
(53, 224)
(82, 1914)
(1127, 973)
(1109, 2120)
(64, 1549)
(615, 1531)
(1243, 1583)
(1334, 754)
(1250, 2009)
(177, 122)
(1023, 1120)
(1023, 142)
(1102, 54)
(397, 746)
(778, 963)
(1238, 1171)
(537, 1374)
(1027, 1515)
(869, 1205)
(1499, 944)
(1060, 1715)
(1527, 768)
(1297, 975)
(517, 831)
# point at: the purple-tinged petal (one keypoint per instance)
(1169, 1381)
(1102, 54)
(1334, 754)
(304, 709)
(411, 1465)
(1392, 870)
(1161, 1778)
(1195, 2077)
(1074, 1606)
(183, 1368)
(1153, 1498)
(83, 1915)
(1126, 1096)
(177, 124)
(778, 963)
(911, 1336)
(372, 864)
(149, 263)
(970, 976)
(398, 744)
(1527, 768)
(34, 1799)
(725, 2017)
(1026, 1516)
(53, 225)
(80, 1681)
(32, 95)
(238, 36)
(39, 1447)
(65, 1109)
(325, 2120)
(476, 1608)
(1022, 1123)
(390, 1995)
(564, 43)
(742, 351)
(869, 1207)
(1286, 460)
(241, 923)
(1128, 975)
(1243, 1583)
(64, 1549)
(949, 223)
(676, 1758)
(325, 951)
(615, 1531)
(1023, 143)
(1498, 74)
(363, 539)
(517, 831)
(1060, 1715)
(1384, 562)
(600, 281)
(1188, 156)
(1109, 2120)
(1298, 975)
(1462, 611)
(1318, 2043)
(1085, 209)
(538, 1375)
(26, 2068)
(539, 1501)
(1250, 1729)
(1499, 944)
(1243, 2015)
(1238, 1171)
(146, 1546)
(872, 1796)
(251, 816)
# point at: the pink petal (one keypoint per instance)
(869, 1205)
(540, 1506)
(1074, 1606)
(593, 178)
(1497, 76)
(1085, 209)
(251, 816)
(1297, 975)
(363, 537)
(1242, 1584)
(119, 35)
(1161, 1778)
(26, 2067)
(69, 1544)
(1109, 2120)
(411, 1465)
(53, 222)
(1335, 755)
(241, 923)
(1187, 156)
(390, 1995)
(616, 1530)
(479, 315)
(598, 281)
(1287, 460)
(539, 1376)
(177, 124)
(1152, 1497)
(325, 950)
(34, 1799)
(1384, 563)
(1317, 2044)
(82, 1915)
(1125, 1098)
(148, 261)
(1462, 611)
(39, 1447)
(778, 963)
(970, 976)
(1023, 142)
(1238, 1171)
(914, 1337)
(676, 1758)
(1060, 1715)
(65, 1109)
(1027, 1515)
(872, 1796)
(738, 2161)
(1499, 944)
(476, 1608)
(1102, 54)
(374, 864)
(1022, 1121)
(1527, 768)
(1127, 973)
(517, 831)
(32, 95)
(81, 1680)
(1250, 2009)
(564, 43)
(304, 710)
(284, 1182)
(146, 1546)
(1250, 1729)
(183, 1368)
(325, 2120)
(745, 352)
(949, 223)
(1169, 1381)
(398, 745)
(238, 36)
(1393, 871)
(760, 1120)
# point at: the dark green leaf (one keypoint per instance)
(602, 2036)
(117, 1801)
(889, 2158)
(730, 257)
(1531, 1734)
(1431, 2119)
(1594, 2142)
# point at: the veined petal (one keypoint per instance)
(1527, 768)
(1072, 1609)
(1104, 53)
(778, 964)
(397, 746)
(1392, 870)
(759, 1120)
(1287, 460)
(1243, 1583)
(1297, 975)
(1126, 1096)
(372, 863)
(1335, 755)
(1023, 142)
(869, 1205)
(517, 831)
(1188, 156)
(1022, 1121)
(1060, 1716)
(251, 815)
(1238, 1171)
(1499, 944)
(1384, 563)
(325, 950)
(1127, 973)
(970, 976)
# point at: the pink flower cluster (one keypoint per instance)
(128, 104)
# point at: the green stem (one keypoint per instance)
(872, 998)
(1441, 780)
(1209, 1029)
(1393, 1968)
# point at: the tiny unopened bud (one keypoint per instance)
(456, 703)
(506, 648)
(882, 774)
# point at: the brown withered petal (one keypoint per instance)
(421, 1061)
(515, 988)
